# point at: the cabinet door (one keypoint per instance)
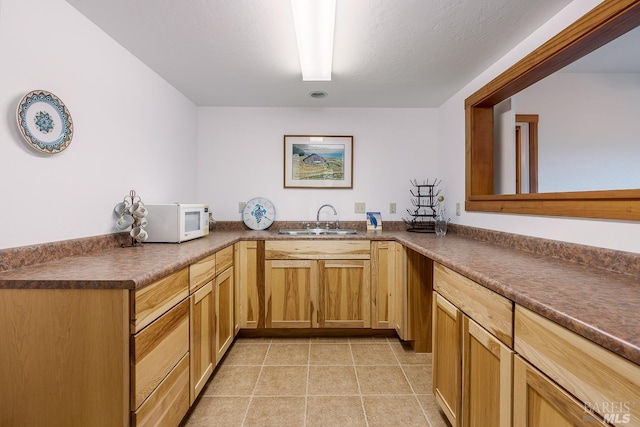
(202, 338)
(344, 294)
(291, 289)
(538, 402)
(383, 278)
(400, 318)
(249, 284)
(486, 378)
(447, 357)
(225, 325)
(236, 291)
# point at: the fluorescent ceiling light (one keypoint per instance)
(315, 21)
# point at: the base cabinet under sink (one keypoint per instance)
(317, 284)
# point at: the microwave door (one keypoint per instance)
(192, 221)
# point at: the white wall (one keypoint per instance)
(240, 156)
(588, 130)
(622, 235)
(132, 129)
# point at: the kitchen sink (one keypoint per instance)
(318, 231)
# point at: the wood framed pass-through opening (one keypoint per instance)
(604, 23)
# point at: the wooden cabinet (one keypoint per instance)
(606, 383)
(344, 300)
(160, 370)
(213, 323)
(291, 293)
(492, 311)
(224, 302)
(159, 351)
(168, 403)
(156, 350)
(150, 302)
(236, 291)
(115, 357)
(212, 311)
(472, 368)
(96, 357)
(201, 272)
(539, 402)
(65, 357)
(447, 357)
(310, 284)
(399, 313)
(387, 284)
(202, 323)
(249, 277)
(486, 378)
(202, 320)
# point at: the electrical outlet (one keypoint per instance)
(241, 206)
(458, 209)
(392, 208)
(359, 207)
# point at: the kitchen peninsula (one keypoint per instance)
(592, 303)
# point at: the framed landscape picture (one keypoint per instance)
(318, 161)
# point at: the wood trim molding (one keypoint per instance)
(532, 121)
(604, 23)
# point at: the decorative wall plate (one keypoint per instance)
(45, 122)
(259, 213)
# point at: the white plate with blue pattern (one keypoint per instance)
(44, 122)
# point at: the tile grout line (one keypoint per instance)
(415, 395)
(355, 370)
(251, 396)
(306, 394)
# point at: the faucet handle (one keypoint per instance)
(337, 224)
(307, 225)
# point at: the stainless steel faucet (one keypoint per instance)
(334, 212)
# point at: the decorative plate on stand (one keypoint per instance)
(44, 122)
(259, 213)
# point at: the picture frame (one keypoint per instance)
(318, 161)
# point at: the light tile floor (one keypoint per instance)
(319, 382)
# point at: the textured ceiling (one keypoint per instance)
(388, 53)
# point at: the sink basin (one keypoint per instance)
(318, 231)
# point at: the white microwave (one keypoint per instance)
(177, 222)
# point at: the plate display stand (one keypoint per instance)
(425, 201)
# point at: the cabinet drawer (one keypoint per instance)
(150, 302)
(539, 401)
(156, 350)
(307, 249)
(492, 311)
(169, 402)
(201, 272)
(224, 259)
(599, 378)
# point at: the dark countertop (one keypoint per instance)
(598, 304)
